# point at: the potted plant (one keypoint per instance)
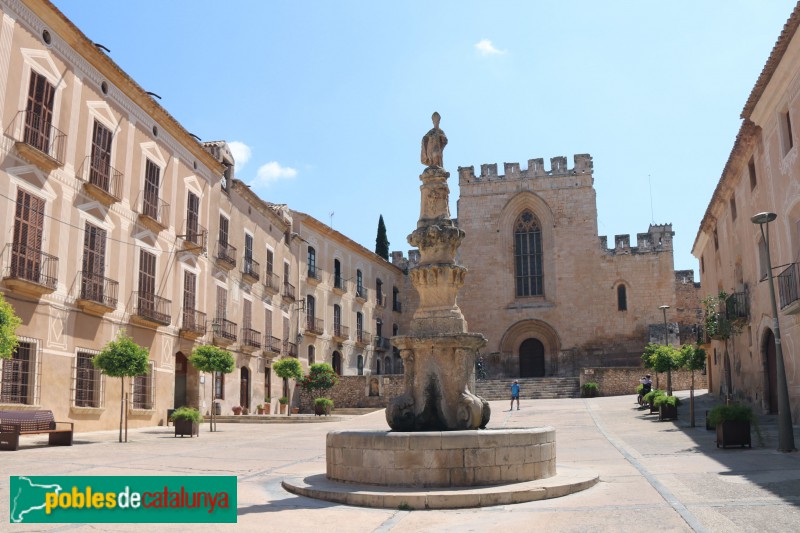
(320, 379)
(186, 421)
(260, 409)
(283, 400)
(267, 405)
(287, 368)
(589, 390)
(237, 410)
(245, 411)
(322, 406)
(732, 423)
(667, 406)
(650, 397)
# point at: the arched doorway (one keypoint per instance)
(244, 388)
(181, 365)
(336, 363)
(531, 359)
(771, 363)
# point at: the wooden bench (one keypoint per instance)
(16, 423)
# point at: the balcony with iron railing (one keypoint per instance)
(250, 270)
(29, 270)
(224, 331)
(151, 309)
(37, 140)
(380, 299)
(290, 349)
(272, 283)
(272, 344)
(363, 337)
(100, 180)
(288, 291)
(193, 324)
(313, 275)
(98, 294)
(789, 289)
(737, 306)
(315, 326)
(153, 211)
(194, 236)
(381, 343)
(362, 293)
(226, 255)
(340, 332)
(339, 284)
(251, 340)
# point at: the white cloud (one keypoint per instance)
(241, 153)
(272, 172)
(486, 48)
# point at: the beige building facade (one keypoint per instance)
(760, 175)
(550, 294)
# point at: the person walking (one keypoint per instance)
(514, 394)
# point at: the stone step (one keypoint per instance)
(530, 388)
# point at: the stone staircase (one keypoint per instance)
(530, 388)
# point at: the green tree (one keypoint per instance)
(288, 368)
(381, 241)
(122, 358)
(320, 379)
(9, 322)
(208, 358)
(692, 358)
(661, 359)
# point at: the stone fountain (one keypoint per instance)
(438, 454)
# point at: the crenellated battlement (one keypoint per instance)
(657, 239)
(512, 171)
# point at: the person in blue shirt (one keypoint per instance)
(514, 394)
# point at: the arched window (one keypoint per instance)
(336, 363)
(312, 262)
(360, 363)
(337, 320)
(622, 298)
(311, 311)
(395, 329)
(379, 291)
(359, 284)
(378, 366)
(338, 282)
(311, 356)
(528, 255)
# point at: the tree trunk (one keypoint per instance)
(121, 405)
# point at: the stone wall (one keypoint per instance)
(621, 381)
(354, 391)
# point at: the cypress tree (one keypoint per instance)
(381, 241)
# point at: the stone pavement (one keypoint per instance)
(660, 476)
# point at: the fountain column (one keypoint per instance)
(439, 354)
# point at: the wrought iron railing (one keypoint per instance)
(194, 321)
(290, 348)
(363, 337)
(98, 172)
(153, 207)
(32, 129)
(99, 289)
(314, 274)
(152, 307)
(251, 338)
(362, 292)
(788, 287)
(250, 267)
(194, 233)
(340, 331)
(224, 329)
(226, 253)
(737, 306)
(397, 306)
(315, 325)
(288, 290)
(32, 264)
(272, 344)
(381, 343)
(272, 281)
(340, 283)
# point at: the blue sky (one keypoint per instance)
(327, 101)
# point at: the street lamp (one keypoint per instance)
(785, 430)
(666, 343)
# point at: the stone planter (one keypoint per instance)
(186, 427)
(733, 433)
(667, 412)
(295, 410)
(283, 408)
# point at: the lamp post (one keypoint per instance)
(666, 343)
(785, 430)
